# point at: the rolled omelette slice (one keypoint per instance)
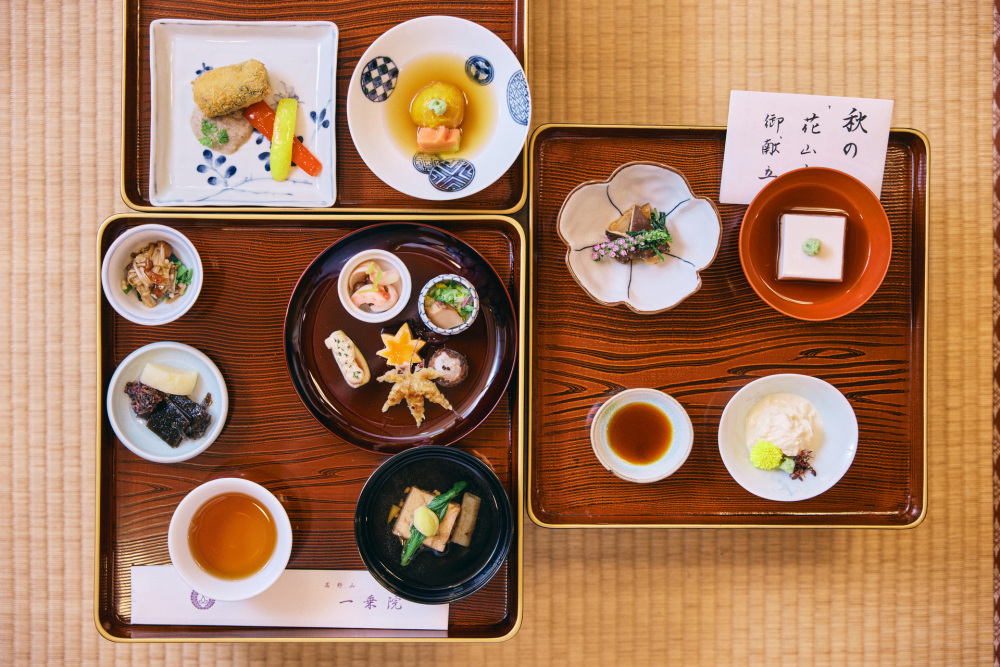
(349, 358)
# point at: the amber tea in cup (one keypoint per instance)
(232, 536)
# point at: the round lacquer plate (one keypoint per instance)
(315, 311)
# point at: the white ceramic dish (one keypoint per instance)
(386, 259)
(489, 62)
(423, 311)
(693, 223)
(835, 449)
(205, 583)
(119, 256)
(301, 60)
(132, 431)
(676, 455)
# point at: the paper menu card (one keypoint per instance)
(769, 134)
(299, 598)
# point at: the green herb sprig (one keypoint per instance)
(212, 134)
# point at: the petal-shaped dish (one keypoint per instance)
(315, 311)
(693, 222)
(301, 60)
(838, 437)
(473, 57)
(867, 243)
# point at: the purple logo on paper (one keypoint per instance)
(200, 601)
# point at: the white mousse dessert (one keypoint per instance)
(812, 247)
(786, 420)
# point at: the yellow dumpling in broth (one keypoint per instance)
(438, 104)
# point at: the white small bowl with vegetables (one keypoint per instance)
(448, 304)
(152, 274)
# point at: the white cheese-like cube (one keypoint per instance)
(828, 264)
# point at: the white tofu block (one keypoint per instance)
(828, 264)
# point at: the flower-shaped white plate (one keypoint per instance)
(693, 222)
(488, 62)
(132, 431)
(835, 448)
(301, 60)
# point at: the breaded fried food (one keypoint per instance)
(227, 89)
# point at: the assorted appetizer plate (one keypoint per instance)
(316, 310)
(645, 288)
(484, 61)
(132, 431)
(300, 57)
(867, 243)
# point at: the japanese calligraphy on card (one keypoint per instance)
(299, 598)
(773, 133)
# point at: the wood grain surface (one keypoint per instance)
(592, 597)
(714, 342)
(359, 24)
(251, 268)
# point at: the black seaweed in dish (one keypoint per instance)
(433, 578)
(170, 416)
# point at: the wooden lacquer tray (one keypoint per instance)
(712, 344)
(251, 265)
(359, 24)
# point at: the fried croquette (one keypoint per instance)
(227, 89)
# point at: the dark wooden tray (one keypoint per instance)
(359, 24)
(712, 344)
(251, 264)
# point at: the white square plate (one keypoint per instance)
(301, 59)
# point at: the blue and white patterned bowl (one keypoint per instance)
(423, 310)
(488, 62)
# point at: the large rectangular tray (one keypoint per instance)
(359, 24)
(703, 354)
(251, 265)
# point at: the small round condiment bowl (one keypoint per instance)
(132, 431)
(119, 256)
(677, 453)
(385, 260)
(208, 584)
(432, 578)
(422, 309)
(835, 444)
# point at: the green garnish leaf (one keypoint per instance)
(223, 136)
(212, 134)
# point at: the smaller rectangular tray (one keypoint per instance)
(703, 354)
(359, 24)
(251, 265)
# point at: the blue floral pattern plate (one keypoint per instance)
(488, 63)
(301, 60)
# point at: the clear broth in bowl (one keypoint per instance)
(232, 536)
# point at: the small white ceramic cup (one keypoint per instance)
(210, 585)
(120, 254)
(423, 310)
(675, 456)
(386, 260)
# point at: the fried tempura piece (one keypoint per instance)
(226, 89)
(414, 387)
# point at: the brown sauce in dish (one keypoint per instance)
(232, 536)
(640, 433)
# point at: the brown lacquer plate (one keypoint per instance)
(712, 344)
(359, 24)
(315, 311)
(251, 265)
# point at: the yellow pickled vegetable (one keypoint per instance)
(425, 521)
(283, 138)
